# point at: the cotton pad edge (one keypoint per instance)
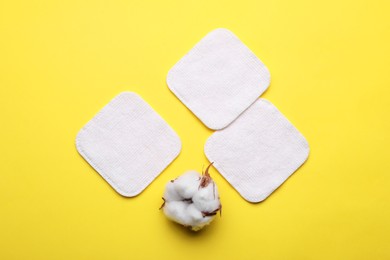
(220, 125)
(261, 196)
(115, 186)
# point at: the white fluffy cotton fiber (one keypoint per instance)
(192, 200)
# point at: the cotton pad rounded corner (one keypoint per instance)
(258, 151)
(218, 79)
(128, 144)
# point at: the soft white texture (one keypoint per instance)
(187, 184)
(218, 78)
(128, 144)
(258, 151)
(188, 204)
(205, 199)
(170, 193)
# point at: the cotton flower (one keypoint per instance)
(191, 200)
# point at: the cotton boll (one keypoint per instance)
(194, 213)
(170, 193)
(177, 211)
(192, 200)
(207, 199)
(197, 218)
(187, 184)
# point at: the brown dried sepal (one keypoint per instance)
(213, 213)
(162, 204)
(206, 178)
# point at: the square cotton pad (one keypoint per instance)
(218, 79)
(258, 151)
(128, 144)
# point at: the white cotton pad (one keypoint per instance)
(218, 79)
(258, 151)
(128, 144)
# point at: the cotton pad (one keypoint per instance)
(258, 151)
(218, 79)
(128, 144)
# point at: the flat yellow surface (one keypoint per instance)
(62, 61)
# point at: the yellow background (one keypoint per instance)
(62, 61)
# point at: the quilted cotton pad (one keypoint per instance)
(218, 79)
(128, 144)
(258, 151)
